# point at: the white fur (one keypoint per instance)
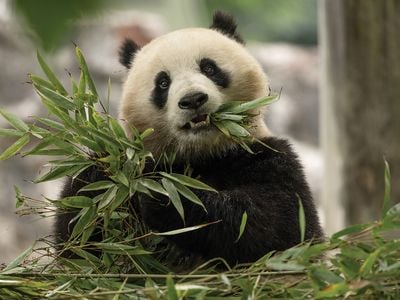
(178, 53)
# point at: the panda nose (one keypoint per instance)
(193, 101)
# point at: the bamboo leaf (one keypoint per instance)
(227, 107)
(245, 147)
(302, 219)
(42, 82)
(368, 264)
(74, 89)
(387, 193)
(234, 129)
(130, 153)
(77, 201)
(58, 172)
(332, 291)
(108, 197)
(118, 248)
(188, 194)
(61, 114)
(153, 185)
(53, 152)
(107, 139)
(90, 144)
(14, 148)
(284, 266)
(56, 98)
(120, 197)
(87, 216)
(146, 133)
(86, 255)
(39, 132)
(87, 233)
(243, 223)
(50, 75)
(51, 123)
(85, 70)
(174, 197)
(99, 185)
(324, 275)
(137, 187)
(116, 128)
(18, 260)
(19, 196)
(188, 181)
(227, 116)
(14, 121)
(10, 132)
(349, 230)
(121, 178)
(172, 292)
(393, 211)
(82, 83)
(69, 162)
(240, 106)
(50, 141)
(185, 229)
(220, 125)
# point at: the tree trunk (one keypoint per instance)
(360, 102)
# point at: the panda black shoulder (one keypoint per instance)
(275, 152)
(281, 163)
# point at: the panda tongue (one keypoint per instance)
(199, 118)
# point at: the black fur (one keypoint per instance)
(226, 24)
(219, 77)
(159, 95)
(267, 185)
(127, 52)
(63, 224)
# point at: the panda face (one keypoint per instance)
(177, 80)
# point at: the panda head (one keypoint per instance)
(177, 80)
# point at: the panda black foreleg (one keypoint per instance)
(271, 224)
(63, 224)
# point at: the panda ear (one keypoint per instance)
(226, 24)
(127, 52)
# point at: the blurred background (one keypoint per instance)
(336, 106)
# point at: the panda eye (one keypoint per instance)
(211, 70)
(163, 83)
(208, 69)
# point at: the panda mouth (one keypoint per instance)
(198, 122)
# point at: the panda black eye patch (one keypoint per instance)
(209, 68)
(159, 95)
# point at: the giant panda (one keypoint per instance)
(173, 85)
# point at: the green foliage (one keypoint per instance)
(293, 21)
(242, 226)
(49, 21)
(361, 261)
(234, 119)
(87, 138)
(386, 199)
(302, 220)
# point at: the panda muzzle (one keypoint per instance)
(200, 118)
(198, 121)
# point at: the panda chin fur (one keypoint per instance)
(164, 90)
(189, 145)
(199, 143)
